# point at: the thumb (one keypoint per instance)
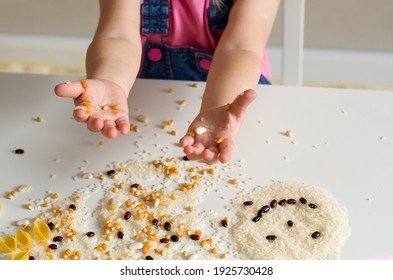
(69, 89)
(242, 101)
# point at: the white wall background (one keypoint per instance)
(356, 27)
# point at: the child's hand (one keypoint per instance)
(222, 123)
(101, 104)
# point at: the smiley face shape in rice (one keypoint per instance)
(289, 220)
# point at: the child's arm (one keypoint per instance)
(235, 70)
(112, 64)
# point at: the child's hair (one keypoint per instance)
(218, 3)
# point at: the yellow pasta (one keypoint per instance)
(23, 239)
(7, 244)
(20, 256)
(41, 231)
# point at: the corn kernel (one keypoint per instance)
(84, 84)
(115, 190)
(173, 132)
(234, 182)
(190, 209)
(224, 256)
(38, 119)
(191, 133)
(170, 91)
(55, 196)
(195, 85)
(183, 102)
(220, 140)
(29, 206)
(214, 251)
(105, 107)
(104, 246)
(212, 171)
(228, 106)
(50, 256)
(203, 243)
(67, 252)
(198, 232)
(173, 196)
(196, 177)
(100, 143)
(288, 133)
(116, 107)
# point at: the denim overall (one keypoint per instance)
(161, 61)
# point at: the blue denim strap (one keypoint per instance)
(155, 17)
(218, 18)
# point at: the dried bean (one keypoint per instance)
(224, 223)
(155, 222)
(291, 201)
(175, 238)
(167, 226)
(31, 258)
(185, 158)
(303, 200)
(136, 185)
(195, 237)
(265, 208)
(53, 246)
(57, 239)
(282, 202)
(19, 151)
(256, 219)
(127, 215)
(90, 234)
(111, 172)
(315, 235)
(271, 237)
(72, 206)
(311, 205)
(248, 203)
(290, 223)
(164, 240)
(51, 226)
(149, 258)
(273, 203)
(260, 213)
(120, 235)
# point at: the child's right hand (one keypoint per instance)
(97, 105)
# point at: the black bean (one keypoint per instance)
(111, 172)
(311, 205)
(136, 185)
(19, 151)
(195, 237)
(31, 258)
(260, 213)
(175, 238)
(256, 219)
(164, 240)
(57, 239)
(273, 203)
(155, 222)
(167, 226)
(291, 201)
(90, 234)
(282, 202)
(120, 235)
(290, 223)
(248, 203)
(265, 208)
(149, 258)
(51, 226)
(185, 158)
(303, 200)
(127, 215)
(224, 223)
(271, 237)
(53, 246)
(315, 235)
(72, 206)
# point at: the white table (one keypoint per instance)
(342, 141)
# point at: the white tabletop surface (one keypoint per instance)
(342, 141)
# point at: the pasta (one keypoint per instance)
(23, 239)
(41, 231)
(7, 244)
(21, 255)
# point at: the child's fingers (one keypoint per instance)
(186, 141)
(80, 114)
(123, 125)
(109, 129)
(210, 156)
(95, 123)
(69, 89)
(195, 151)
(227, 148)
(240, 104)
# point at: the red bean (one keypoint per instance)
(303, 200)
(90, 234)
(248, 203)
(53, 246)
(315, 235)
(224, 223)
(57, 239)
(282, 202)
(256, 219)
(271, 237)
(164, 240)
(311, 205)
(127, 215)
(290, 223)
(120, 235)
(175, 238)
(167, 226)
(273, 203)
(195, 237)
(291, 201)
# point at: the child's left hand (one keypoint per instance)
(221, 123)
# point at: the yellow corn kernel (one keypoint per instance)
(195, 85)
(159, 252)
(173, 132)
(29, 206)
(170, 91)
(288, 133)
(67, 252)
(43, 243)
(49, 250)
(55, 196)
(183, 102)
(74, 257)
(196, 177)
(145, 250)
(173, 196)
(104, 246)
(38, 119)
(112, 206)
(168, 245)
(234, 182)
(214, 251)
(198, 232)
(192, 169)
(211, 171)
(77, 198)
(101, 143)
(105, 107)
(84, 84)
(203, 243)
(190, 208)
(50, 256)
(191, 133)
(220, 140)
(228, 106)
(115, 190)
(209, 240)
(116, 107)
(223, 256)
(137, 237)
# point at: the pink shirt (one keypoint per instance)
(189, 26)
